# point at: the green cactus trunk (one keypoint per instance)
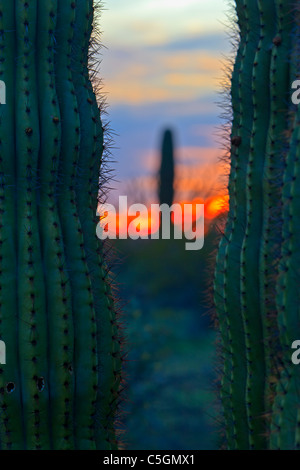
(285, 416)
(227, 288)
(279, 85)
(60, 386)
(255, 280)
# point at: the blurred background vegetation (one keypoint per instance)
(162, 69)
(170, 402)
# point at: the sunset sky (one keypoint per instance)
(162, 68)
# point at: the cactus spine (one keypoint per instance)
(255, 280)
(60, 386)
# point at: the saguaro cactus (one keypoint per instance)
(227, 281)
(166, 172)
(255, 289)
(59, 388)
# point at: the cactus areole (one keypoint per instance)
(59, 387)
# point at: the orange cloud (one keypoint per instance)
(137, 93)
(193, 60)
(163, 76)
(188, 81)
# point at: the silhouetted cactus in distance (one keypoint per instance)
(167, 170)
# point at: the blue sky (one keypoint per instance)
(161, 67)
